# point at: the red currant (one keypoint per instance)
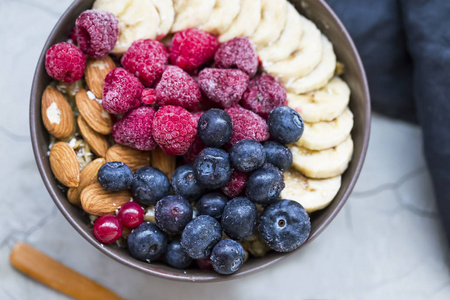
(107, 229)
(131, 215)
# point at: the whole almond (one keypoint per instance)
(162, 161)
(97, 142)
(56, 114)
(94, 114)
(134, 158)
(96, 71)
(88, 176)
(97, 201)
(64, 164)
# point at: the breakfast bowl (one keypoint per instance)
(326, 20)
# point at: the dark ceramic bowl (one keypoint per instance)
(319, 12)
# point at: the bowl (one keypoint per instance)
(316, 10)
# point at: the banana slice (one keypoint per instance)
(273, 20)
(222, 16)
(116, 7)
(304, 59)
(246, 21)
(325, 104)
(166, 13)
(324, 163)
(324, 135)
(289, 40)
(312, 194)
(191, 13)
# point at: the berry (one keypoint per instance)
(284, 225)
(236, 184)
(176, 257)
(265, 185)
(131, 215)
(172, 213)
(107, 229)
(148, 96)
(149, 185)
(285, 125)
(97, 32)
(135, 129)
(192, 48)
(247, 125)
(146, 59)
(147, 242)
(115, 176)
(174, 129)
(263, 94)
(200, 236)
(224, 87)
(214, 127)
(278, 155)
(185, 184)
(212, 168)
(212, 205)
(247, 155)
(121, 92)
(239, 218)
(204, 264)
(193, 151)
(227, 257)
(65, 62)
(238, 53)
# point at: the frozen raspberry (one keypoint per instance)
(176, 87)
(97, 32)
(65, 62)
(148, 96)
(224, 87)
(135, 129)
(236, 184)
(197, 146)
(147, 60)
(73, 36)
(247, 125)
(263, 94)
(238, 53)
(121, 92)
(174, 129)
(192, 48)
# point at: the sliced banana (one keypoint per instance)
(246, 21)
(116, 7)
(312, 194)
(324, 163)
(191, 13)
(324, 104)
(324, 135)
(166, 13)
(223, 14)
(289, 40)
(273, 20)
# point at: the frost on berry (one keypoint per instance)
(65, 62)
(236, 184)
(247, 125)
(238, 53)
(148, 96)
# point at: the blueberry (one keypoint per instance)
(176, 257)
(265, 185)
(227, 257)
(149, 185)
(285, 125)
(200, 236)
(212, 204)
(239, 218)
(172, 213)
(212, 168)
(185, 184)
(247, 155)
(278, 155)
(115, 176)
(215, 127)
(284, 225)
(147, 242)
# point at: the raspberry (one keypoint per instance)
(146, 59)
(148, 96)
(192, 48)
(224, 87)
(263, 94)
(176, 87)
(174, 129)
(135, 129)
(65, 62)
(236, 184)
(97, 32)
(197, 146)
(238, 53)
(247, 125)
(121, 92)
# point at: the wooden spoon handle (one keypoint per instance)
(56, 275)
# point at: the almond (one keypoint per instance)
(97, 142)
(94, 114)
(97, 201)
(95, 74)
(88, 176)
(162, 161)
(64, 164)
(56, 113)
(134, 158)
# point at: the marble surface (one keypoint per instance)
(387, 242)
